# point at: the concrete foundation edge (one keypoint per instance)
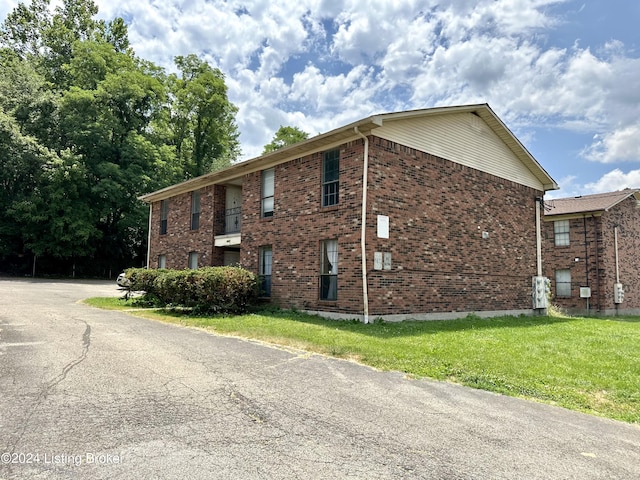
(420, 316)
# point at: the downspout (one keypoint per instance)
(597, 236)
(586, 251)
(149, 235)
(615, 244)
(586, 256)
(363, 229)
(539, 201)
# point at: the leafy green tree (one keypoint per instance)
(55, 218)
(86, 127)
(202, 118)
(48, 37)
(105, 117)
(22, 161)
(284, 137)
(22, 29)
(26, 96)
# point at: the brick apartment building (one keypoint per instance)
(591, 243)
(445, 226)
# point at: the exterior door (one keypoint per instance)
(231, 258)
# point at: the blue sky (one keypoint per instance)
(563, 75)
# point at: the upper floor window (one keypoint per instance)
(330, 177)
(164, 214)
(195, 210)
(561, 232)
(268, 177)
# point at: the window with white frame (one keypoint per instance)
(264, 270)
(195, 210)
(329, 270)
(268, 177)
(330, 177)
(164, 214)
(162, 261)
(561, 232)
(193, 260)
(563, 283)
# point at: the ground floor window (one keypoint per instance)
(329, 270)
(264, 270)
(563, 283)
(193, 260)
(162, 261)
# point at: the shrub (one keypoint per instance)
(208, 290)
(142, 279)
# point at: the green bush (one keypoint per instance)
(207, 290)
(142, 279)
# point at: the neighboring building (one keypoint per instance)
(449, 215)
(594, 241)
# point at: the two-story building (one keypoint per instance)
(592, 248)
(420, 214)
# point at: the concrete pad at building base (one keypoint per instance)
(422, 316)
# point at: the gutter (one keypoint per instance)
(363, 229)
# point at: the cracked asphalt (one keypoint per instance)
(92, 394)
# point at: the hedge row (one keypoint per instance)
(209, 289)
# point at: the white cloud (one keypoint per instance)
(615, 180)
(319, 63)
(616, 146)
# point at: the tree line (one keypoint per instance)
(86, 126)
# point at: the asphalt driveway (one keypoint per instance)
(86, 393)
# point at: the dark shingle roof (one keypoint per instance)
(588, 203)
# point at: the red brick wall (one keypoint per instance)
(180, 239)
(298, 225)
(588, 270)
(626, 215)
(597, 260)
(438, 211)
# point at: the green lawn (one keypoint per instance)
(586, 364)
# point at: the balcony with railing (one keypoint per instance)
(230, 222)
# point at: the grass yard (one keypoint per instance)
(587, 364)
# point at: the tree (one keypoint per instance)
(284, 137)
(22, 161)
(202, 118)
(22, 29)
(34, 32)
(25, 95)
(86, 127)
(56, 219)
(106, 116)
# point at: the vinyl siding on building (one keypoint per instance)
(463, 138)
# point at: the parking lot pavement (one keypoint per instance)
(87, 393)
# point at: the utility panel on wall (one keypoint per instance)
(377, 261)
(382, 261)
(383, 226)
(386, 260)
